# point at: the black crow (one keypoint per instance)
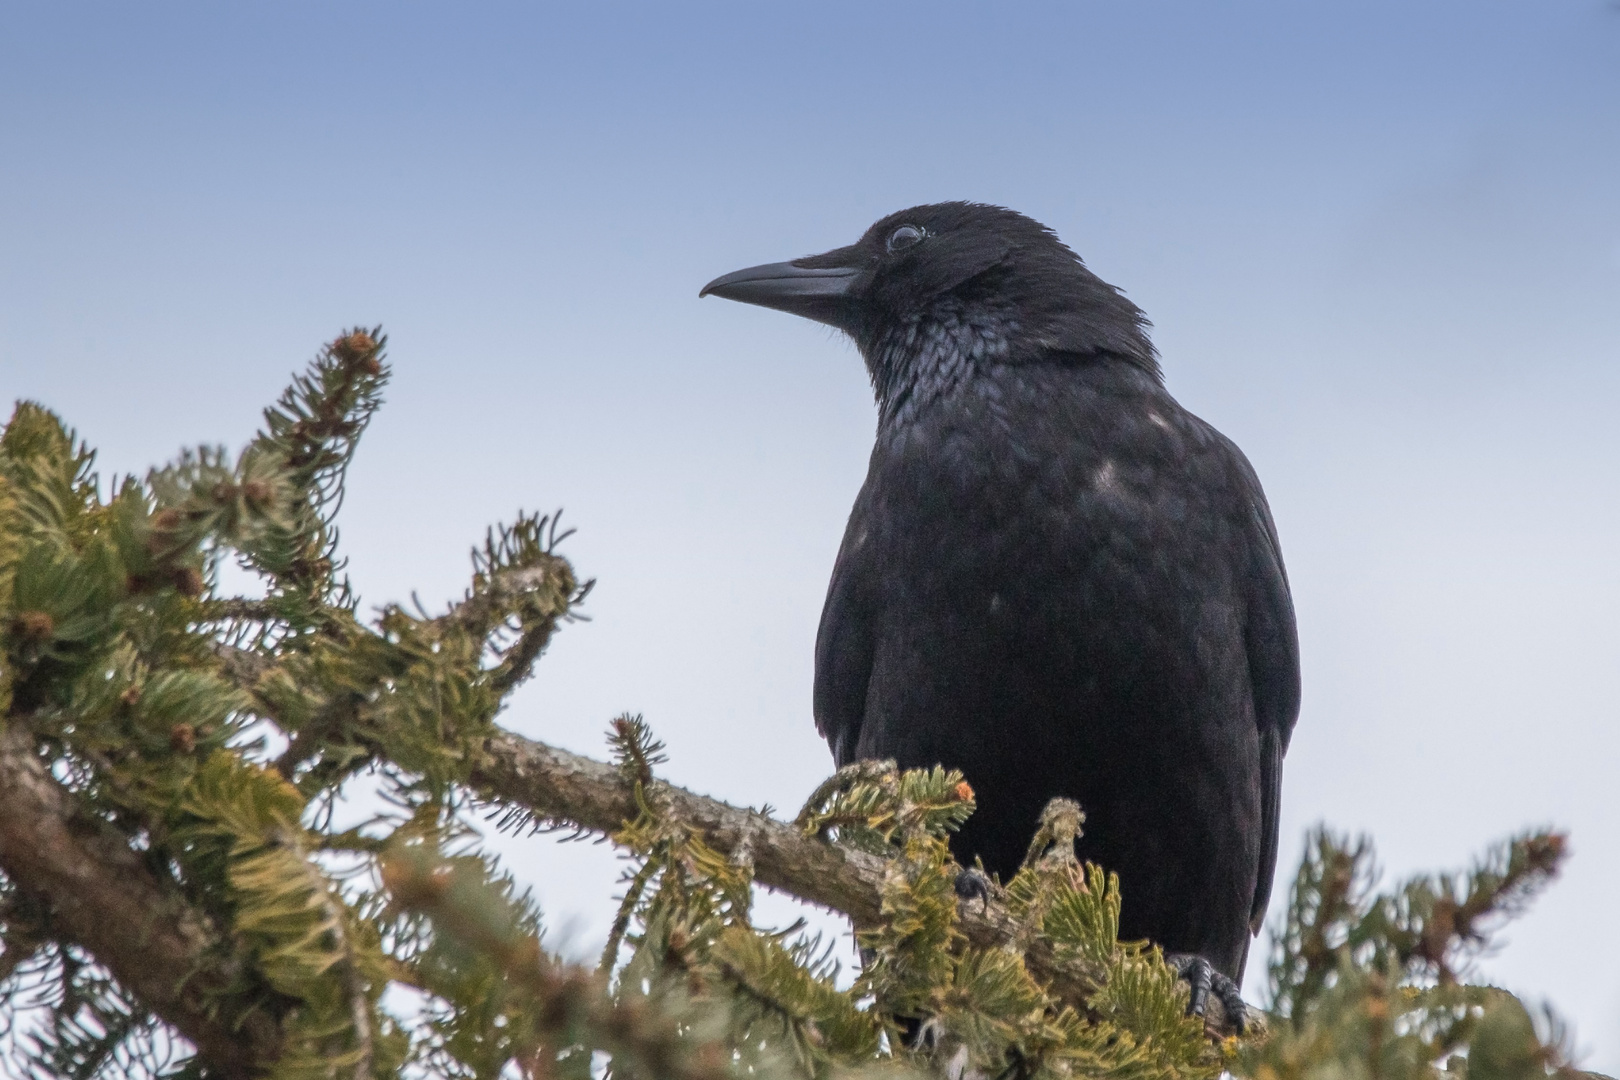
(1055, 578)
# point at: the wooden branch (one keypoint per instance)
(560, 786)
(101, 897)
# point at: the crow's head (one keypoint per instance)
(982, 279)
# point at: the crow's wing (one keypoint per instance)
(844, 642)
(1272, 642)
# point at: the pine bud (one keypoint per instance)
(963, 791)
(164, 524)
(526, 953)
(33, 625)
(358, 348)
(311, 568)
(410, 885)
(396, 878)
(182, 738)
(188, 581)
(258, 494)
(130, 696)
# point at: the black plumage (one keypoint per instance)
(1055, 578)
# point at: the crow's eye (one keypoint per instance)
(905, 236)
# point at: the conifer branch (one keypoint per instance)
(100, 896)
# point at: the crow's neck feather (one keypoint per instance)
(917, 361)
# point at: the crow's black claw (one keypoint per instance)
(1203, 980)
(972, 885)
(1237, 1012)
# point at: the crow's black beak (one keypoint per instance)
(824, 294)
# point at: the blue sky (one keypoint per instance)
(1380, 243)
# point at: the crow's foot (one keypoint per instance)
(1204, 980)
(971, 884)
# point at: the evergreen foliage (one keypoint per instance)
(195, 747)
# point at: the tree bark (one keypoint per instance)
(101, 897)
